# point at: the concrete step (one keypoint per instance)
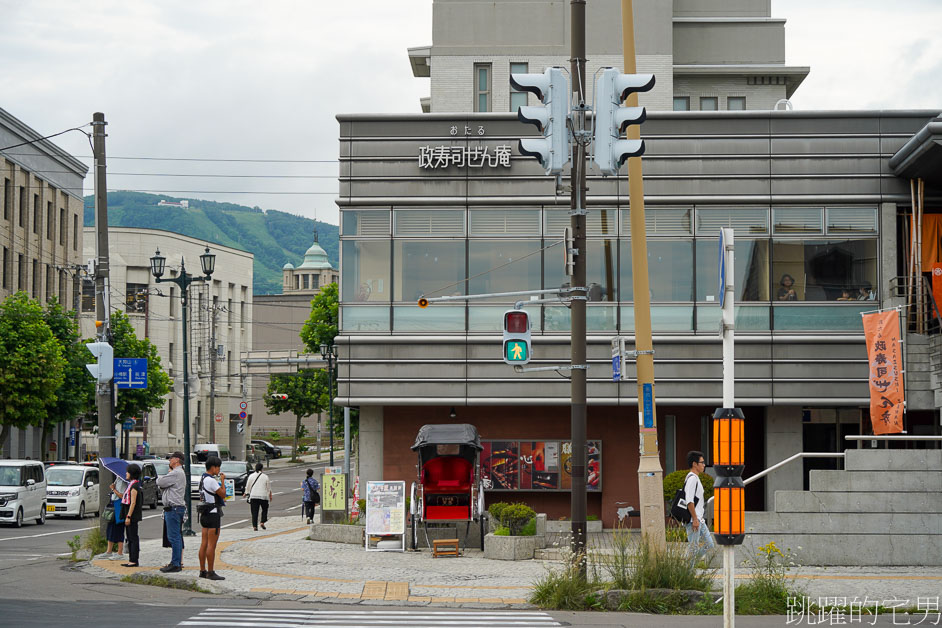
(852, 549)
(896, 524)
(893, 460)
(828, 501)
(883, 481)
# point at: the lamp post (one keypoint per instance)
(327, 352)
(208, 264)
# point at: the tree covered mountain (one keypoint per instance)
(274, 237)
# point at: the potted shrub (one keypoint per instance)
(515, 537)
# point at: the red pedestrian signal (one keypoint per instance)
(281, 396)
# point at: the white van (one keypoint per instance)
(22, 492)
(72, 490)
(206, 450)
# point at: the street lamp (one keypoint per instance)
(157, 265)
(327, 352)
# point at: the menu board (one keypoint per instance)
(386, 507)
(532, 465)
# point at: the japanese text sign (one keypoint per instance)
(885, 360)
(335, 491)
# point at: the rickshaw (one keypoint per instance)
(449, 488)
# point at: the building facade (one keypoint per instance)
(40, 232)
(719, 55)
(430, 206)
(219, 319)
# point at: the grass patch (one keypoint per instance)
(632, 564)
(564, 590)
(94, 541)
(167, 583)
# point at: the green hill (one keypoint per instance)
(274, 237)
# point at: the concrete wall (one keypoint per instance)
(726, 8)
(370, 455)
(758, 96)
(783, 433)
(711, 41)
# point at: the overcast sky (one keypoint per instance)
(231, 79)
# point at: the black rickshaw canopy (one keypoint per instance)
(432, 436)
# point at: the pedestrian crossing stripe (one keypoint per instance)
(354, 618)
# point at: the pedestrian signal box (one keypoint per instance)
(516, 337)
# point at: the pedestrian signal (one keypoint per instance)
(516, 337)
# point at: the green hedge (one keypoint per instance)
(673, 481)
(512, 516)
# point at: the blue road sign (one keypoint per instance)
(647, 398)
(722, 267)
(616, 368)
(130, 372)
(128, 424)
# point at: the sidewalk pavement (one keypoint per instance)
(307, 459)
(281, 564)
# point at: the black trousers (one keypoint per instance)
(254, 504)
(309, 509)
(134, 541)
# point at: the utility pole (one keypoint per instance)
(578, 338)
(650, 474)
(105, 399)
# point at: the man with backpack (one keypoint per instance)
(697, 530)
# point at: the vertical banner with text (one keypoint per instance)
(885, 359)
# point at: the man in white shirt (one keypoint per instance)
(697, 532)
(258, 492)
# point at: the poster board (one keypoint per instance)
(230, 490)
(334, 492)
(537, 465)
(386, 512)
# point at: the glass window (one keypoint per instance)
(364, 318)
(436, 318)
(681, 103)
(517, 98)
(491, 317)
(365, 271)
(751, 263)
(306, 280)
(824, 270)
(504, 266)
(752, 220)
(504, 222)
(747, 317)
(670, 270)
(600, 272)
(663, 318)
(135, 298)
(666, 221)
(708, 103)
(852, 220)
(736, 103)
(482, 86)
(819, 317)
(797, 220)
(365, 223)
(598, 222)
(88, 295)
(429, 222)
(598, 317)
(428, 268)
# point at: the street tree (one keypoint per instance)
(76, 395)
(304, 394)
(31, 364)
(138, 401)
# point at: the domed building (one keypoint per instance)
(313, 273)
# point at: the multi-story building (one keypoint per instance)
(40, 231)
(707, 56)
(219, 317)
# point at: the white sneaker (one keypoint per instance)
(117, 557)
(105, 556)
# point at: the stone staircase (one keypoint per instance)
(884, 508)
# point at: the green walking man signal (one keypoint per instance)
(516, 337)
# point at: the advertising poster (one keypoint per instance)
(565, 458)
(526, 465)
(230, 490)
(333, 491)
(500, 465)
(882, 333)
(385, 508)
(593, 478)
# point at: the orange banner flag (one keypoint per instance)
(885, 357)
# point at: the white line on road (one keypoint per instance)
(234, 523)
(294, 507)
(34, 536)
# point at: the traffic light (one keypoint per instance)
(103, 370)
(516, 337)
(611, 119)
(281, 396)
(553, 149)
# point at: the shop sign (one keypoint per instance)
(461, 156)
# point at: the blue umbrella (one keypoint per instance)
(116, 465)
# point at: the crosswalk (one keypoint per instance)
(352, 617)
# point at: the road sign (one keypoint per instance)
(722, 267)
(240, 426)
(218, 418)
(618, 359)
(243, 405)
(140, 450)
(647, 398)
(130, 372)
(128, 424)
(242, 415)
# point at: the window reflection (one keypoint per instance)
(504, 266)
(824, 270)
(430, 268)
(365, 271)
(670, 270)
(751, 263)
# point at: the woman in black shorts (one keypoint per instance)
(212, 498)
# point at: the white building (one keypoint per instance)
(219, 316)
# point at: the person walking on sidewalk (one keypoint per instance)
(172, 486)
(311, 496)
(697, 532)
(131, 505)
(258, 492)
(212, 498)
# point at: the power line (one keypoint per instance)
(40, 139)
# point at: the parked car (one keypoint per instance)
(22, 491)
(71, 490)
(205, 450)
(254, 453)
(239, 471)
(273, 451)
(163, 468)
(148, 482)
(196, 473)
(50, 463)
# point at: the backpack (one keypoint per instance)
(678, 508)
(205, 507)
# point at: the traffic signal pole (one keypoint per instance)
(105, 402)
(650, 474)
(578, 307)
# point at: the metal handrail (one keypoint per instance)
(892, 437)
